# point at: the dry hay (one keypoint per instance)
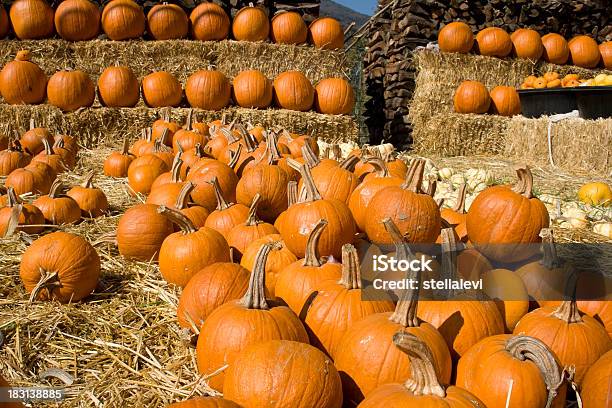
(576, 143)
(180, 57)
(123, 346)
(455, 134)
(107, 126)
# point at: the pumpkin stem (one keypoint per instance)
(229, 135)
(401, 247)
(310, 158)
(292, 193)
(125, 150)
(176, 169)
(48, 280)
(423, 379)
(164, 136)
(12, 199)
(529, 348)
(183, 197)
(56, 189)
(549, 258)
(449, 257)
(351, 273)
(568, 312)
(311, 256)
(380, 167)
(235, 157)
(32, 124)
(312, 194)
(198, 151)
(524, 186)
(349, 163)
(431, 188)
(13, 221)
(414, 177)
(247, 138)
(272, 147)
(459, 207)
(88, 180)
(48, 148)
(23, 55)
(178, 218)
(222, 204)
(255, 296)
(189, 120)
(252, 218)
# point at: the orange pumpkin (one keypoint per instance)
(117, 163)
(22, 81)
(118, 87)
(251, 320)
(456, 37)
(288, 27)
(227, 214)
(202, 173)
(17, 216)
(292, 90)
(584, 51)
(501, 220)
(505, 101)
(167, 22)
(252, 89)
(488, 369)
(209, 22)
(34, 178)
(161, 89)
(256, 379)
(13, 158)
(556, 49)
(252, 229)
(494, 42)
(509, 293)
(51, 158)
(605, 49)
(31, 19)
(58, 208)
(422, 388)
(60, 266)
(123, 20)
(251, 24)
(71, 90)
(91, 200)
(208, 89)
(471, 97)
(205, 402)
(143, 171)
(141, 232)
(184, 253)
(527, 44)
(596, 387)
(326, 33)
(77, 20)
(334, 96)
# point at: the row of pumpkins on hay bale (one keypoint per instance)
(553, 79)
(23, 82)
(582, 50)
(298, 227)
(81, 20)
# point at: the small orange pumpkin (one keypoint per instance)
(141, 231)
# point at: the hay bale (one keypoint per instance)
(180, 57)
(577, 144)
(455, 134)
(108, 126)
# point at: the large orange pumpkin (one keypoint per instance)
(597, 388)
(334, 96)
(209, 22)
(22, 81)
(576, 339)
(208, 89)
(505, 101)
(251, 24)
(556, 49)
(456, 37)
(488, 369)
(326, 33)
(141, 232)
(58, 208)
(60, 266)
(605, 49)
(251, 89)
(309, 380)
(31, 19)
(118, 87)
(416, 214)
(502, 220)
(167, 22)
(202, 173)
(292, 90)
(205, 402)
(526, 43)
(77, 20)
(253, 319)
(123, 20)
(13, 158)
(288, 27)
(422, 388)
(71, 90)
(336, 306)
(494, 41)
(584, 51)
(471, 97)
(161, 89)
(509, 293)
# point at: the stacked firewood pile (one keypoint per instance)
(407, 24)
